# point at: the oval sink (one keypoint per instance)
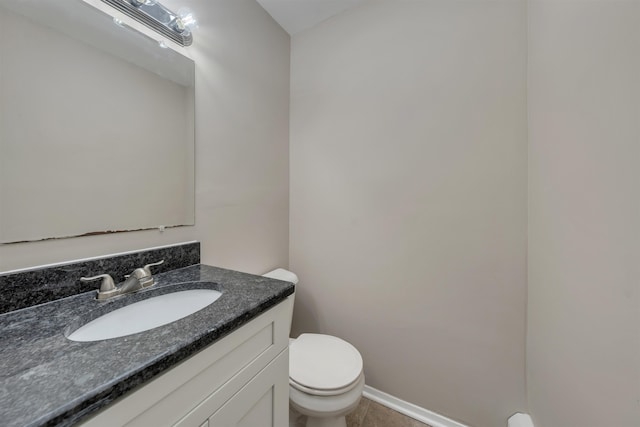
(145, 315)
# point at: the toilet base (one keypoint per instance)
(326, 411)
(327, 422)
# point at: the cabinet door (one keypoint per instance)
(263, 402)
(190, 392)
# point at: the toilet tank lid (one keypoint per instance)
(282, 274)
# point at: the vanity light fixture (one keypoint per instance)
(174, 26)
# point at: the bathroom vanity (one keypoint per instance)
(243, 377)
(225, 365)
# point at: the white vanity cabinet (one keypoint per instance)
(240, 380)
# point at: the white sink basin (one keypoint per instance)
(144, 315)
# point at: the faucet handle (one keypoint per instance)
(143, 272)
(107, 284)
(147, 268)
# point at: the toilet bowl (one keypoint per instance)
(326, 377)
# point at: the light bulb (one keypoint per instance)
(185, 21)
(139, 3)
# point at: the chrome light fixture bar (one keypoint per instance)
(175, 26)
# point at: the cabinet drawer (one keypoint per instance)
(223, 367)
(262, 402)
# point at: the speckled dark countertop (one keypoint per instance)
(45, 379)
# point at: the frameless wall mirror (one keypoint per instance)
(96, 125)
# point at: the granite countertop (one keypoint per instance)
(45, 379)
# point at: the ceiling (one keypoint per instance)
(298, 15)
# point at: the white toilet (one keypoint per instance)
(325, 373)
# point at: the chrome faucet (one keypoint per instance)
(140, 278)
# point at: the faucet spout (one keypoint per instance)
(131, 284)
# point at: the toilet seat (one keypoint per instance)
(327, 407)
(315, 392)
(323, 365)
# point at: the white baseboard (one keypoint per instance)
(520, 420)
(409, 409)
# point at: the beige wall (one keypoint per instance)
(408, 198)
(583, 343)
(242, 116)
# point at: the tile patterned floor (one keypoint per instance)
(372, 414)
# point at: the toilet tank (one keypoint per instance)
(287, 276)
